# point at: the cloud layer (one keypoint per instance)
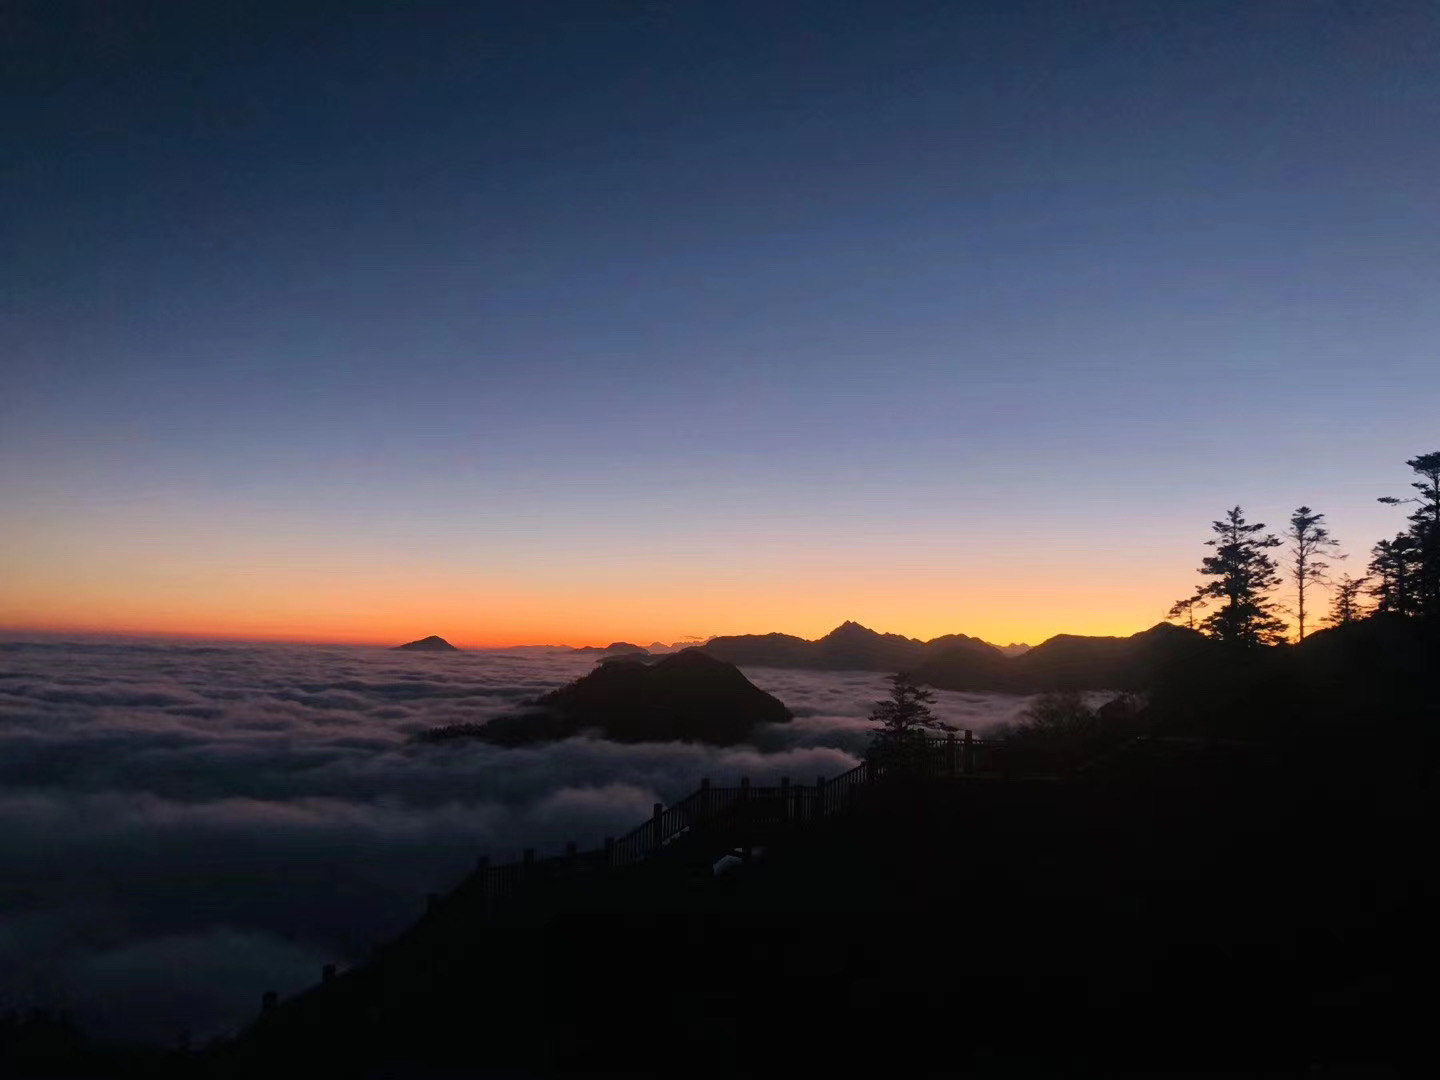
(243, 814)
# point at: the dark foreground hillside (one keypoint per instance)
(1180, 905)
(1194, 899)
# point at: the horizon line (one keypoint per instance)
(13, 635)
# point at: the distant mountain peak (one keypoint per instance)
(433, 643)
(628, 647)
(1162, 628)
(860, 632)
(851, 628)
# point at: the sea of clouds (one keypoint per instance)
(183, 827)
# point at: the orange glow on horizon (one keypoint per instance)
(388, 613)
(283, 590)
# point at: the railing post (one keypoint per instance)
(656, 814)
(527, 859)
(609, 849)
(819, 796)
(785, 795)
(950, 753)
(482, 874)
(704, 797)
(969, 752)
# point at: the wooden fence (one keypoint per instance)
(727, 810)
(731, 817)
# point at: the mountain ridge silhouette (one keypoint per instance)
(849, 647)
(433, 643)
(687, 696)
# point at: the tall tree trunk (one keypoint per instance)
(1300, 589)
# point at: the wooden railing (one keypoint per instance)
(730, 817)
(719, 810)
(724, 812)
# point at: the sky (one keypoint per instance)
(577, 322)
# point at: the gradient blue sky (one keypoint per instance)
(549, 321)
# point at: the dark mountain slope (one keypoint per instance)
(1072, 662)
(687, 696)
(849, 647)
(433, 643)
(763, 650)
(1178, 886)
(1068, 662)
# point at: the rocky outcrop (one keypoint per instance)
(687, 696)
(433, 643)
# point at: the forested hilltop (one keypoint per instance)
(1240, 595)
(1372, 662)
(1273, 645)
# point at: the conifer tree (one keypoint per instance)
(1310, 544)
(906, 712)
(1395, 564)
(898, 747)
(1421, 555)
(1345, 602)
(1245, 576)
(1186, 608)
